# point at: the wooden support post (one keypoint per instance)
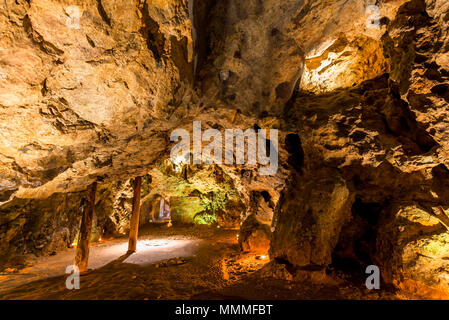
(134, 223)
(82, 248)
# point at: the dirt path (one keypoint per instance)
(171, 263)
(149, 251)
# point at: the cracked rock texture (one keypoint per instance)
(360, 101)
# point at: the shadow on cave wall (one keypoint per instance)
(345, 236)
(357, 240)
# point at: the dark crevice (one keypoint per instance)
(441, 90)
(401, 122)
(103, 13)
(294, 147)
(266, 196)
(154, 38)
(357, 242)
(202, 19)
(4, 195)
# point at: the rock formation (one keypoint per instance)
(359, 91)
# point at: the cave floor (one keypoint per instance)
(188, 262)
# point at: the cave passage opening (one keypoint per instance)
(357, 242)
(162, 211)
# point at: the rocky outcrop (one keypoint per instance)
(88, 81)
(45, 226)
(314, 211)
(380, 140)
(412, 248)
(33, 227)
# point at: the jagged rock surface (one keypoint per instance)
(362, 111)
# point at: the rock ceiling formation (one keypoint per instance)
(358, 89)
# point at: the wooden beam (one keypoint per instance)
(134, 223)
(82, 248)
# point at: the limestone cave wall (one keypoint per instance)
(360, 102)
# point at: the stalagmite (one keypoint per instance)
(134, 223)
(82, 249)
